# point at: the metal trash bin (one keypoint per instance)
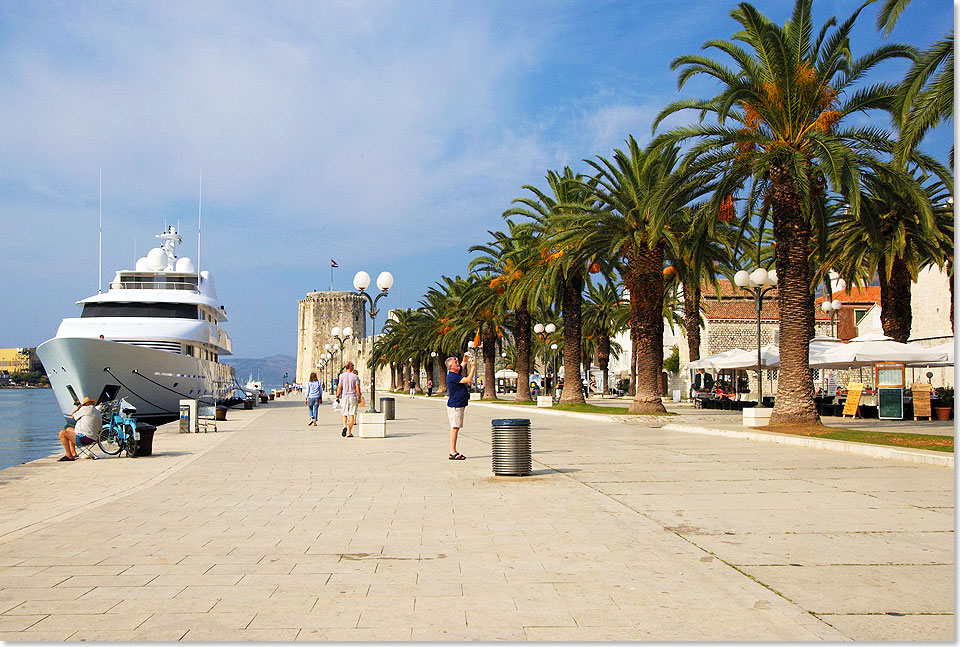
(388, 407)
(511, 446)
(145, 439)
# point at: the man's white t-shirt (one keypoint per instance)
(89, 421)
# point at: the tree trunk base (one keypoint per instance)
(792, 418)
(647, 406)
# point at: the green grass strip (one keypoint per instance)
(890, 439)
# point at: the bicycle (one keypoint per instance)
(119, 431)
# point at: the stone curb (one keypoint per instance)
(921, 456)
(924, 457)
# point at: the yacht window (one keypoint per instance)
(162, 310)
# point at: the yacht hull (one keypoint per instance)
(154, 381)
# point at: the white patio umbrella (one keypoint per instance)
(945, 348)
(506, 374)
(741, 359)
(709, 362)
(867, 350)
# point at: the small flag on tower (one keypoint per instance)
(333, 263)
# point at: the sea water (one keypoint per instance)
(30, 422)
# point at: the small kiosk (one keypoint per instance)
(890, 380)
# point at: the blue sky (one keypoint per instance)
(385, 135)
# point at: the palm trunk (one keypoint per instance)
(603, 358)
(521, 339)
(572, 304)
(644, 279)
(489, 361)
(691, 318)
(896, 315)
(416, 376)
(632, 391)
(393, 376)
(791, 232)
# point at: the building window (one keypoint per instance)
(858, 315)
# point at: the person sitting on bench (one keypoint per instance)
(82, 429)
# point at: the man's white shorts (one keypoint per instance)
(348, 406)
(455, 415)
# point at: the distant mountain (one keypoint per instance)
(270, 369)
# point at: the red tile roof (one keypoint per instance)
(735, 303)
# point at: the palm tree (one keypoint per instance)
(925, 98)
(889, 239)
(509, 257)
(631, 228)
(604, 316)
(702, 246)
(787, 94)
(556, 279)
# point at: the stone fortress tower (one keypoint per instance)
(319, 313)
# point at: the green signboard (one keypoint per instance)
(890, 403)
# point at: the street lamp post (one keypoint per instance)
(758, 282)
(542, 332)
(831, 308)
(361, 281)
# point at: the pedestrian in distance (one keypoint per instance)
(413, 387)
(313, 397)
(82, 429)
(348, 392)
(459, 396)
(429, 387)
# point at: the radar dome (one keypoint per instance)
(157, 259)
(185, 265)
(141, 264)
(207, 285)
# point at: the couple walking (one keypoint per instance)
(348, 395)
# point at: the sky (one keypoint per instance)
(383, 135)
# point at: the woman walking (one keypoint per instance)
(314, 396)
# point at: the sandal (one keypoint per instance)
(66, 458)
(457, 457)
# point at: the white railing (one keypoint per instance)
(152, 285)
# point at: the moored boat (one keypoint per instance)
(155, 333)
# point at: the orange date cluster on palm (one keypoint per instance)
(727, 211)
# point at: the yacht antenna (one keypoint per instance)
(199, 221)
(100, 240)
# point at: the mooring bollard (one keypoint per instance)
(511, 446)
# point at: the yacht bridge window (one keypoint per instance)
(164, 310)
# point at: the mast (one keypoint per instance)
(199, 223)
(100, 240)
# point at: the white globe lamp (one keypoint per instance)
(361, 280)
(742, 278)
(385, 281)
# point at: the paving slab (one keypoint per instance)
(623, 532)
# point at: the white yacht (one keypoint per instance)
(156, 334)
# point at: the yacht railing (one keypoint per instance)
(152, 285)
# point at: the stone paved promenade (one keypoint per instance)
(270, 530)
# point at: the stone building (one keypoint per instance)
(319, 313)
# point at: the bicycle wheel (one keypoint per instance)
(108, 441)
(131, 441)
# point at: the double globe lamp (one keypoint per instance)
(759, 282)
(361, 281)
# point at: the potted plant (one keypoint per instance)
(943, 406)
